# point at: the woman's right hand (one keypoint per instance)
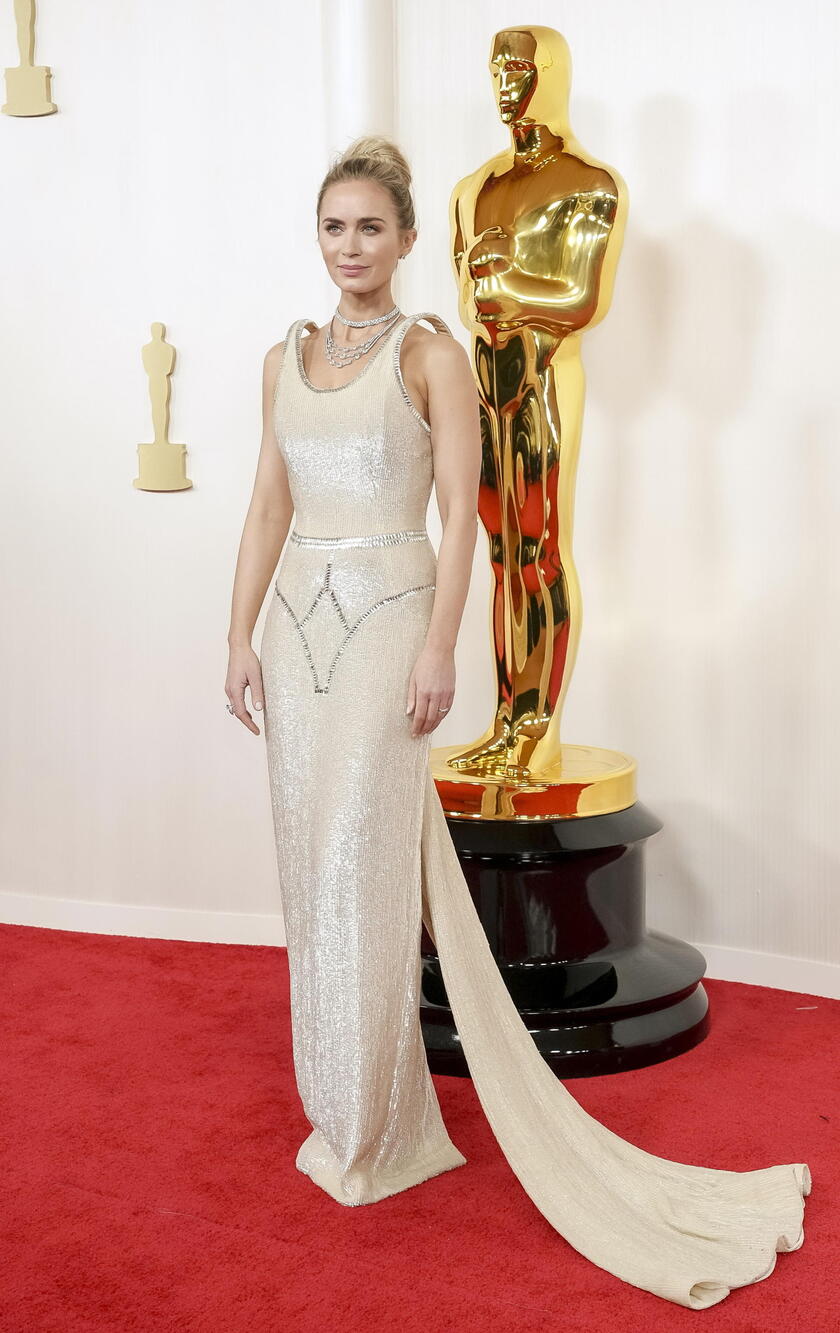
(244, 672)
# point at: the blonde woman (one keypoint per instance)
(356, 669)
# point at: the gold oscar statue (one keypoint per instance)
(162, 463)
(550, 836)
(536, 234)
(27, 84)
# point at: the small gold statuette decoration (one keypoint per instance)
(27, 84)
(162, 463)
(535, 234)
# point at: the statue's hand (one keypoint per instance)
(489, 262)
(490, 255)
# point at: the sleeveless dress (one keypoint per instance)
(364, 856)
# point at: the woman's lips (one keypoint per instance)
(352, 268)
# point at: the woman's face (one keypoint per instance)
(359, 235)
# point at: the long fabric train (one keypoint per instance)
(687, 1233)
(364, 856)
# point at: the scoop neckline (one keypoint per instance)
(336, 388)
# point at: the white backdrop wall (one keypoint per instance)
(177, 183)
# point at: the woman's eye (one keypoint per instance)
(333, 226)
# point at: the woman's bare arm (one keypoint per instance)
(266, 528)
(453, 414)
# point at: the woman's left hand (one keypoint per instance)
(431, 688)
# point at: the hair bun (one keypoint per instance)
(378, 148)
(377, 158)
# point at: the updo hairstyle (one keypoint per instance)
(373, 157)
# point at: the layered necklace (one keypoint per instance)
(344, 354)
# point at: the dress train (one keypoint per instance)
(686, 1233)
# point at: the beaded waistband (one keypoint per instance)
(371, 539)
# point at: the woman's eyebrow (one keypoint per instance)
(360, 219)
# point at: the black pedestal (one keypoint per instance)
(563, 904)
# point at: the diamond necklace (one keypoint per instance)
(363, 323)
(342, 354)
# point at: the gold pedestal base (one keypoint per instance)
(28, 91)
(162, 467)
(585, 781)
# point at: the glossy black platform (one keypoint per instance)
(563, 905)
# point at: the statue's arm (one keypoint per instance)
(556, 268)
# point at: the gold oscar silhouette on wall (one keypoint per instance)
(27, 84)
(536, 234)
(162, 463)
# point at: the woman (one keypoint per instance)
(356, 672)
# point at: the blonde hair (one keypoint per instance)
(373, 157)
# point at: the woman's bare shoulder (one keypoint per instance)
(429, 348)
(418, 336)
(272, 364)
(274, 356)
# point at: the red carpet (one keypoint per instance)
(150, 1124)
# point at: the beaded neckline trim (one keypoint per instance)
(398, 342)
(402, 326)
(336, 388)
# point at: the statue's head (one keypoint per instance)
(531, 70)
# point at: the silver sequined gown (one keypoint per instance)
(364, 852)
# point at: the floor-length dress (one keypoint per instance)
(364, 855)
